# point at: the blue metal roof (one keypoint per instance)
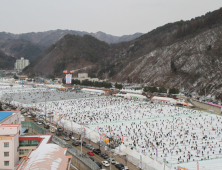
(3, 115)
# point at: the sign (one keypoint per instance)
(68, 78)
(105, 148)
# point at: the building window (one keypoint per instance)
(29, 143)
(6, 163)
(6, 154)
(6, 144)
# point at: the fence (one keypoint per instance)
(75, 152)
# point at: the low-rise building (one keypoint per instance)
(84, 76)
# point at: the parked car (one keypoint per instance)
(52, 130)
(45, 123)
(99, 164)
(91, 158)
(97, 151)
(39, 123)
(75, 143)
(89, 146)
(83, 143)
(104, 155)
(13, 108)
(46, 126)
(105, 163)
(64, 133)
(119, 166)
(23, 112)
(66, 138)
(41, 120)
(111, 160)
(58, 134)
(90, 153)
(126, 168)
(59, 129)
(75, 139)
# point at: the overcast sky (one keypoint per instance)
(116, 17)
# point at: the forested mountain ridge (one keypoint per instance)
(185, 54)
(31, 45)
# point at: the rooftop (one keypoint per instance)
(47, 156)
(4, 115)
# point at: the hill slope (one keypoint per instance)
(184, 53)
(70, 52)
(6, 62)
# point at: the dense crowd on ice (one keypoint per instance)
(159, 130)
(176, 133)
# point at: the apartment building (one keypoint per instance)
(20, 64)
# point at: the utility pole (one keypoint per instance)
(109, 155)
(81, 135)
(45, 107)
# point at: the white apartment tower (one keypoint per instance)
(20, 64)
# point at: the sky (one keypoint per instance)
(116, 17)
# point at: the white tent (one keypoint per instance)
(166, 99)
(93, 91)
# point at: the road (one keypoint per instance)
(96, 157)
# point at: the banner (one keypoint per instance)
(156, 152)
(72, 71)
(65, 71)
(68, 78)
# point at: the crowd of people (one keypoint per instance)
(178, 134)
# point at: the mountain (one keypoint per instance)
(6, 62)
(31, 45)
(18, 48)
(47, 38)
(70, 52)
(185, 54)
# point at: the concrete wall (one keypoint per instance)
(79, 164)
(15, 148)
(206, 106)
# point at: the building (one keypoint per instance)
(22, 77)
(23, 152)
(36, 151)
(84, 76)
(10, 130)
(20, 64)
